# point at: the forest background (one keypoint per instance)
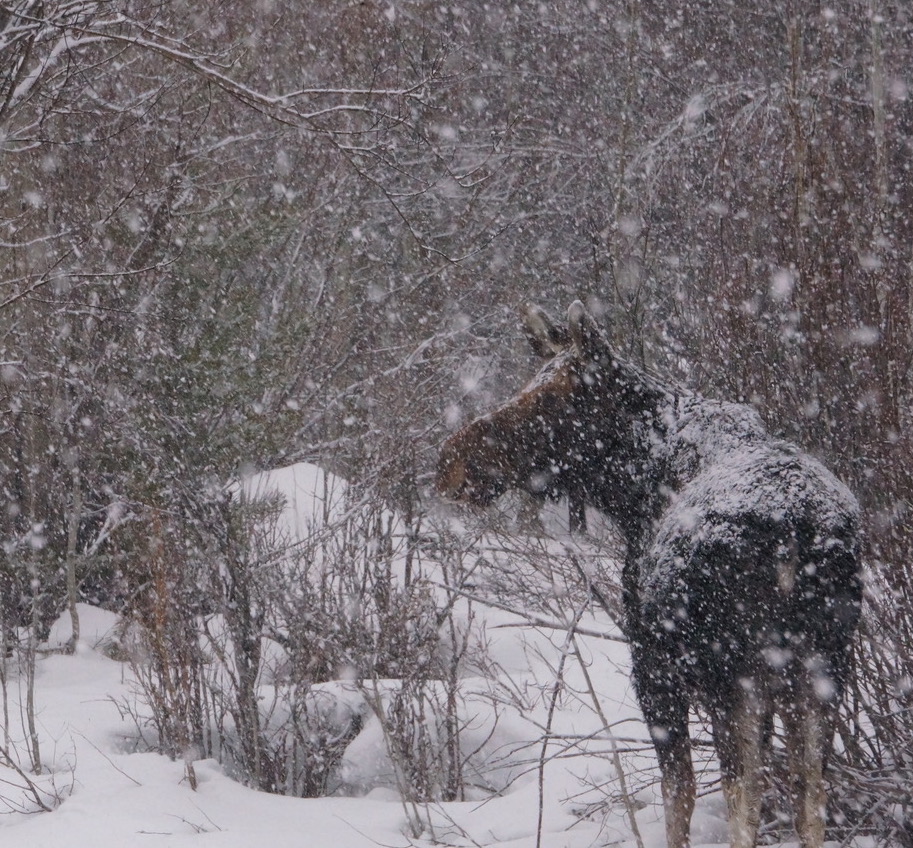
(236, 235)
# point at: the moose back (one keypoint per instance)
(741, 582)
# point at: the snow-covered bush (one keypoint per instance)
(269, 624)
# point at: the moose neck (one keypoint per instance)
(628, 479)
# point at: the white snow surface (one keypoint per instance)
(105, 795)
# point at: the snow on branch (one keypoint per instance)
(75, 32)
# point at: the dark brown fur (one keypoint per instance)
(741, 580)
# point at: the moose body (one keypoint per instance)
(741, 582)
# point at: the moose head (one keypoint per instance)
(571, 431)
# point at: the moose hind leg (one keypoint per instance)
(738, 731)
(806, 722)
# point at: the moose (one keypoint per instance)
(741, 583)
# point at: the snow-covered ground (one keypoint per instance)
(104, 794)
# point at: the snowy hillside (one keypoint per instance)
(104, 789)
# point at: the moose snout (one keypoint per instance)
(451, 481)
(472, 475)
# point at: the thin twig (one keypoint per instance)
(111, 762)
(29, 783)
(528, 618)
(556, 689)
(616, 756)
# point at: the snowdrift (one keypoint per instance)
(550, 747)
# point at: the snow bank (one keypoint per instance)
(105, 796)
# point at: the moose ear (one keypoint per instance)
(545, 338)
(585, 336)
